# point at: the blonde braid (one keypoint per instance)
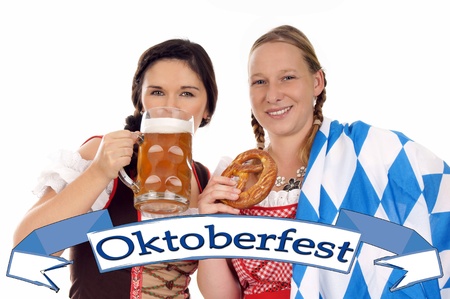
(317, 122)
(258, 130)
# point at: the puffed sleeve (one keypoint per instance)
(64, 167)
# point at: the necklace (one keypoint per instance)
(293, 183)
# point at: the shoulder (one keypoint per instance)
(361, 130)
(89, 148)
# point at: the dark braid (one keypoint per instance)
(133, 123)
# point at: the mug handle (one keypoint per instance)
(125, 178)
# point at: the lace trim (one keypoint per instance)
(65, 166)
(280, 198)
(136, 282)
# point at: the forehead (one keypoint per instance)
(170, 68)
(275, 53)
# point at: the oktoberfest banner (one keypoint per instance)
(330, 247)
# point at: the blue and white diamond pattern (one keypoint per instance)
(383, 174)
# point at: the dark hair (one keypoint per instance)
(295, 37)
(182, 49)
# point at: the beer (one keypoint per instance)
(164, 166)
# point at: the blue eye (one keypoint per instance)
(258, 82)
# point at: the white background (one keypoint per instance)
(66, 69)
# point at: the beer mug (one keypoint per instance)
(164, 163)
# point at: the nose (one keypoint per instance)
(273, 94)
(171, 101)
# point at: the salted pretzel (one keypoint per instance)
(241, 167)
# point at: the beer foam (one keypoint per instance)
(166, 125)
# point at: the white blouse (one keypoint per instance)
(65, 166)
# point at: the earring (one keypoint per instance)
(314, 101)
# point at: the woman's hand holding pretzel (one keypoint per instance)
(231, 190)
(218, 188)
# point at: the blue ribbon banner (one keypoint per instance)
(331, 247)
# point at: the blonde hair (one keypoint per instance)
(295, 37)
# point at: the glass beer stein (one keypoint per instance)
(164, 163)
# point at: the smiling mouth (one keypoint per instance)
(279, 112)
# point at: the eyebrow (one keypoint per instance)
(189, 87)
(182, 87)
(283, 71)
(256, 74)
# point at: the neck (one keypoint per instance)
(285, 151)
(285, 148)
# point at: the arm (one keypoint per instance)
(216, 278)
(108, 156)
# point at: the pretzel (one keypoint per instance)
(239, 168)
